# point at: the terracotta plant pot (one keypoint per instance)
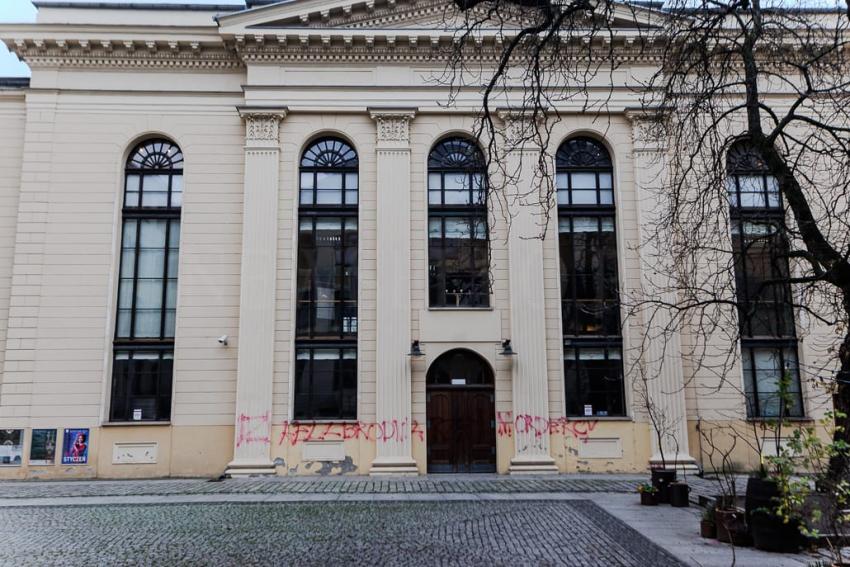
(649, 499)
(732, 527)
(708, 529)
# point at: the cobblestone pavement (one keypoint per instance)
(570, 532)
(482, 484)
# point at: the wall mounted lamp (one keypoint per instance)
(507, 349)
(415, 349)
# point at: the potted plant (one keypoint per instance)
(648, 494)
(708, 525)
(678, 492)
(661, 477)
(769, 511)
(729, 519)
(815, 506)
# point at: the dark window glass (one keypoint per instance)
(594, 380)
(326, 383)
(458, 251)
(761, 274)
(141, 385)
(327, 278)
(765, 306)
(147, 287)
(590, 306)
(326, 311)
(460, 368)
(765, 365)
(589, 288)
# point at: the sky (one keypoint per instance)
(23, 11)
(14, 11)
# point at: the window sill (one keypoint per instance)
(133, 423)
(455, 309)
(323, 421)
(600, 418)
(790, 419)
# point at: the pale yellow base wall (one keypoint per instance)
(204, 451)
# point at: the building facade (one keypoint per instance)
(256, 240)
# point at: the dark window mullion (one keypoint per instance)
(137, 253)
(162, 306)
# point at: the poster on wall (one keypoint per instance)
(75, 449)
(11, 447)
(43, 447)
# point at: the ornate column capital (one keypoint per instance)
(262, 125)
(521, 127)
(647, 128)
(393, 126)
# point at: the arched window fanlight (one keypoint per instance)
(583, 153)
(330, 153)
(329, 174)
(456, 154)
(750, 183)
(584, 174)
(156, 155)
(743, 158)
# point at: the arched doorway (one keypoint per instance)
(461, 411)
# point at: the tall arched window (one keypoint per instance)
(590, 307)
(765, 302)
(326, 312)
(458, 251)
(143, 354)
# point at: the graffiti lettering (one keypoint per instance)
(391, 430)
(253, 429)
(394, 430)
(538, 426)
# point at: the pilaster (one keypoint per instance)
(665, 381)
(392, 379)
(528, 316)
(255, 364)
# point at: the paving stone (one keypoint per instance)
(574, 532)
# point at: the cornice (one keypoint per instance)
(203, 48)
(127, 53)
(408, 45)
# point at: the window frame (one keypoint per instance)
(586, 155)
(743, 161)
(142, 163)
(474, 212)
(315, 212)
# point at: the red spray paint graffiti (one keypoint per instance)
(254, 429)
(395, 430)
(537, 425)
(385, 431)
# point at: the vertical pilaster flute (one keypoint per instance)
(528, 313)
(392, 380)
(255, 365)
(665, 381)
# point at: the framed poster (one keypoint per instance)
(75, 448)
(43, 447)
(11, 447)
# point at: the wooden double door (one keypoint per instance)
(461, 429)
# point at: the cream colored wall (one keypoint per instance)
(66, 266)
(12, 125)
(59, 280)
